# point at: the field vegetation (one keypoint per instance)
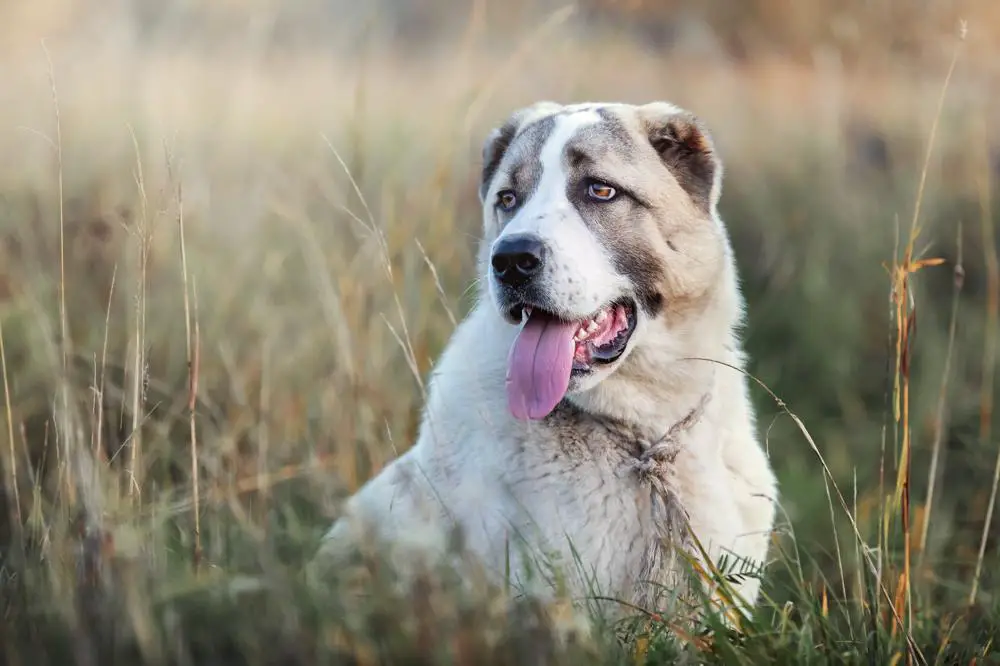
(234, 236)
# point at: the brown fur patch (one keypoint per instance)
(686, 149)
(493, 151)
(500, 140)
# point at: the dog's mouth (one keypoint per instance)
(549, 350)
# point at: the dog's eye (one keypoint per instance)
(601, 192)
(506, 199)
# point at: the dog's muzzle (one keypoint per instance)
(518, 259)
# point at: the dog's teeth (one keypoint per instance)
(602, 315)
(591, 326)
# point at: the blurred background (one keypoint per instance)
(321, 159)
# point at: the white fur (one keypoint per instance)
(500, 478)
(579, 275)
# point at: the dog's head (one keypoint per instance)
(601, 236)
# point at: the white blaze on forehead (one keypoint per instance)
(579, 275)
(550, 192)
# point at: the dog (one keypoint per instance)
(591, 410)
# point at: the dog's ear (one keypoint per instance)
(686, 147)
(500, 138)
(494, 149)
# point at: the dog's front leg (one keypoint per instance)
(395, 517)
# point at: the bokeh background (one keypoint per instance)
(321, 159)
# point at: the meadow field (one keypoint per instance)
(234, 236)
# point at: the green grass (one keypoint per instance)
(310, 305)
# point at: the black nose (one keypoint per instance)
(517, 259)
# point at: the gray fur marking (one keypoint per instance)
(520, 146)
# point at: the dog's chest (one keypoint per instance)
(574, 492)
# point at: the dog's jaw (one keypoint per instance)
(668, 366)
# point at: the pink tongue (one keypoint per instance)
(539, 366)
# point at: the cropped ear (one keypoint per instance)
(686, 147)
(500, 138)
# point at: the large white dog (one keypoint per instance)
(577, 416)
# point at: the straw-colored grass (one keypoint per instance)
(226, 269)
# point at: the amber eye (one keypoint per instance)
(506, 199)
(601, 192)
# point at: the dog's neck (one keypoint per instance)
(648, 406)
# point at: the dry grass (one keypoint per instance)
(226, 268)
